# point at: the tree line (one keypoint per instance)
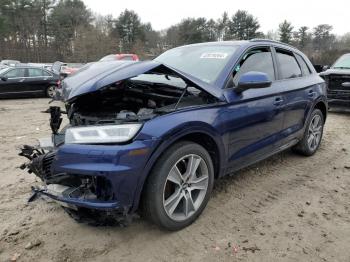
(66, 30)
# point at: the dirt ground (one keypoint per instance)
(287, 208)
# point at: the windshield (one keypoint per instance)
(343, 62)
(108, 58)
(203, 62)
(2, 71)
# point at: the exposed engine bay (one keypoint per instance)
(132, 100)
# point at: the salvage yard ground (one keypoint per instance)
(287, 208)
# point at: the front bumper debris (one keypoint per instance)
(65, 199)
(98, 181)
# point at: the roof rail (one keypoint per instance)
(271, 41)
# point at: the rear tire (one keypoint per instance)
(312, 135)
(179, 186)
(50, 91)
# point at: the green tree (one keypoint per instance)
(243, 26)
(196, 30)
(66, 17)
(323, 37)
(285, 32)
(222, 25)
(130, 29)
(303, 36)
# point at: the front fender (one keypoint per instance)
(171, 137)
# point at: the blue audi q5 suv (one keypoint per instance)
(153, 136)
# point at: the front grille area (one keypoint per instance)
(335, 82)
(47, 163)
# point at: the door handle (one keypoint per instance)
(22, 80)
(278, 101)
(311, 93)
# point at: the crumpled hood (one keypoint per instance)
(336, 71)
(95, 76)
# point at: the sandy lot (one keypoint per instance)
(287, 208)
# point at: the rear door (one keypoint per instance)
(298, 95)
(38, 79)
(254, 118)
(15, 82)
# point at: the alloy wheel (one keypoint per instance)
(50, 91)
(315, 132)
(185, 187)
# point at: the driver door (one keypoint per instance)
(254, 118)
(15, 82)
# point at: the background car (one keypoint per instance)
(41, 65)
(337, 78)
(65, 69)
(27, 81)
(10, 62)
(126, 57)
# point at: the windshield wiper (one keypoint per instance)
(341, 67)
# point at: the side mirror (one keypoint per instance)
(252, 80)
(325, 68)
(3, 78)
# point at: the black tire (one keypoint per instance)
(93, 217)
(303, 147)
(152, 201)
(48, 91)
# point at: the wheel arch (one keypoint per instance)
(200, 136)
(322, 106)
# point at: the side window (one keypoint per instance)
(35, 72)
(259, 60)
(304, 67)
(45, 73)
(288, 65)
(15, 73)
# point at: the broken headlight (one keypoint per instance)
(101, 134)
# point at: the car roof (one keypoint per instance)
(247, 43)
(27, 67)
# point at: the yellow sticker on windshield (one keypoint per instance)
(216, 55)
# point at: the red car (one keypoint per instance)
(113, 57)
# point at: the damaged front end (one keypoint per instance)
(93, 165)
(86, 198)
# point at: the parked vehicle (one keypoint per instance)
(23, 81)
(10, 62)
(44, 66)
(153, 136)
(3, 66)
(337, 78)
(125, 57)
(64, 69)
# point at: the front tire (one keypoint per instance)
(312, 136)
(179, 186)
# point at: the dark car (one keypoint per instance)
(22, 81)
(337, 78)
(153, 136)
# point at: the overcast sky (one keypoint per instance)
(163, 13)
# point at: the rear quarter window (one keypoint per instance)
(304, 67)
